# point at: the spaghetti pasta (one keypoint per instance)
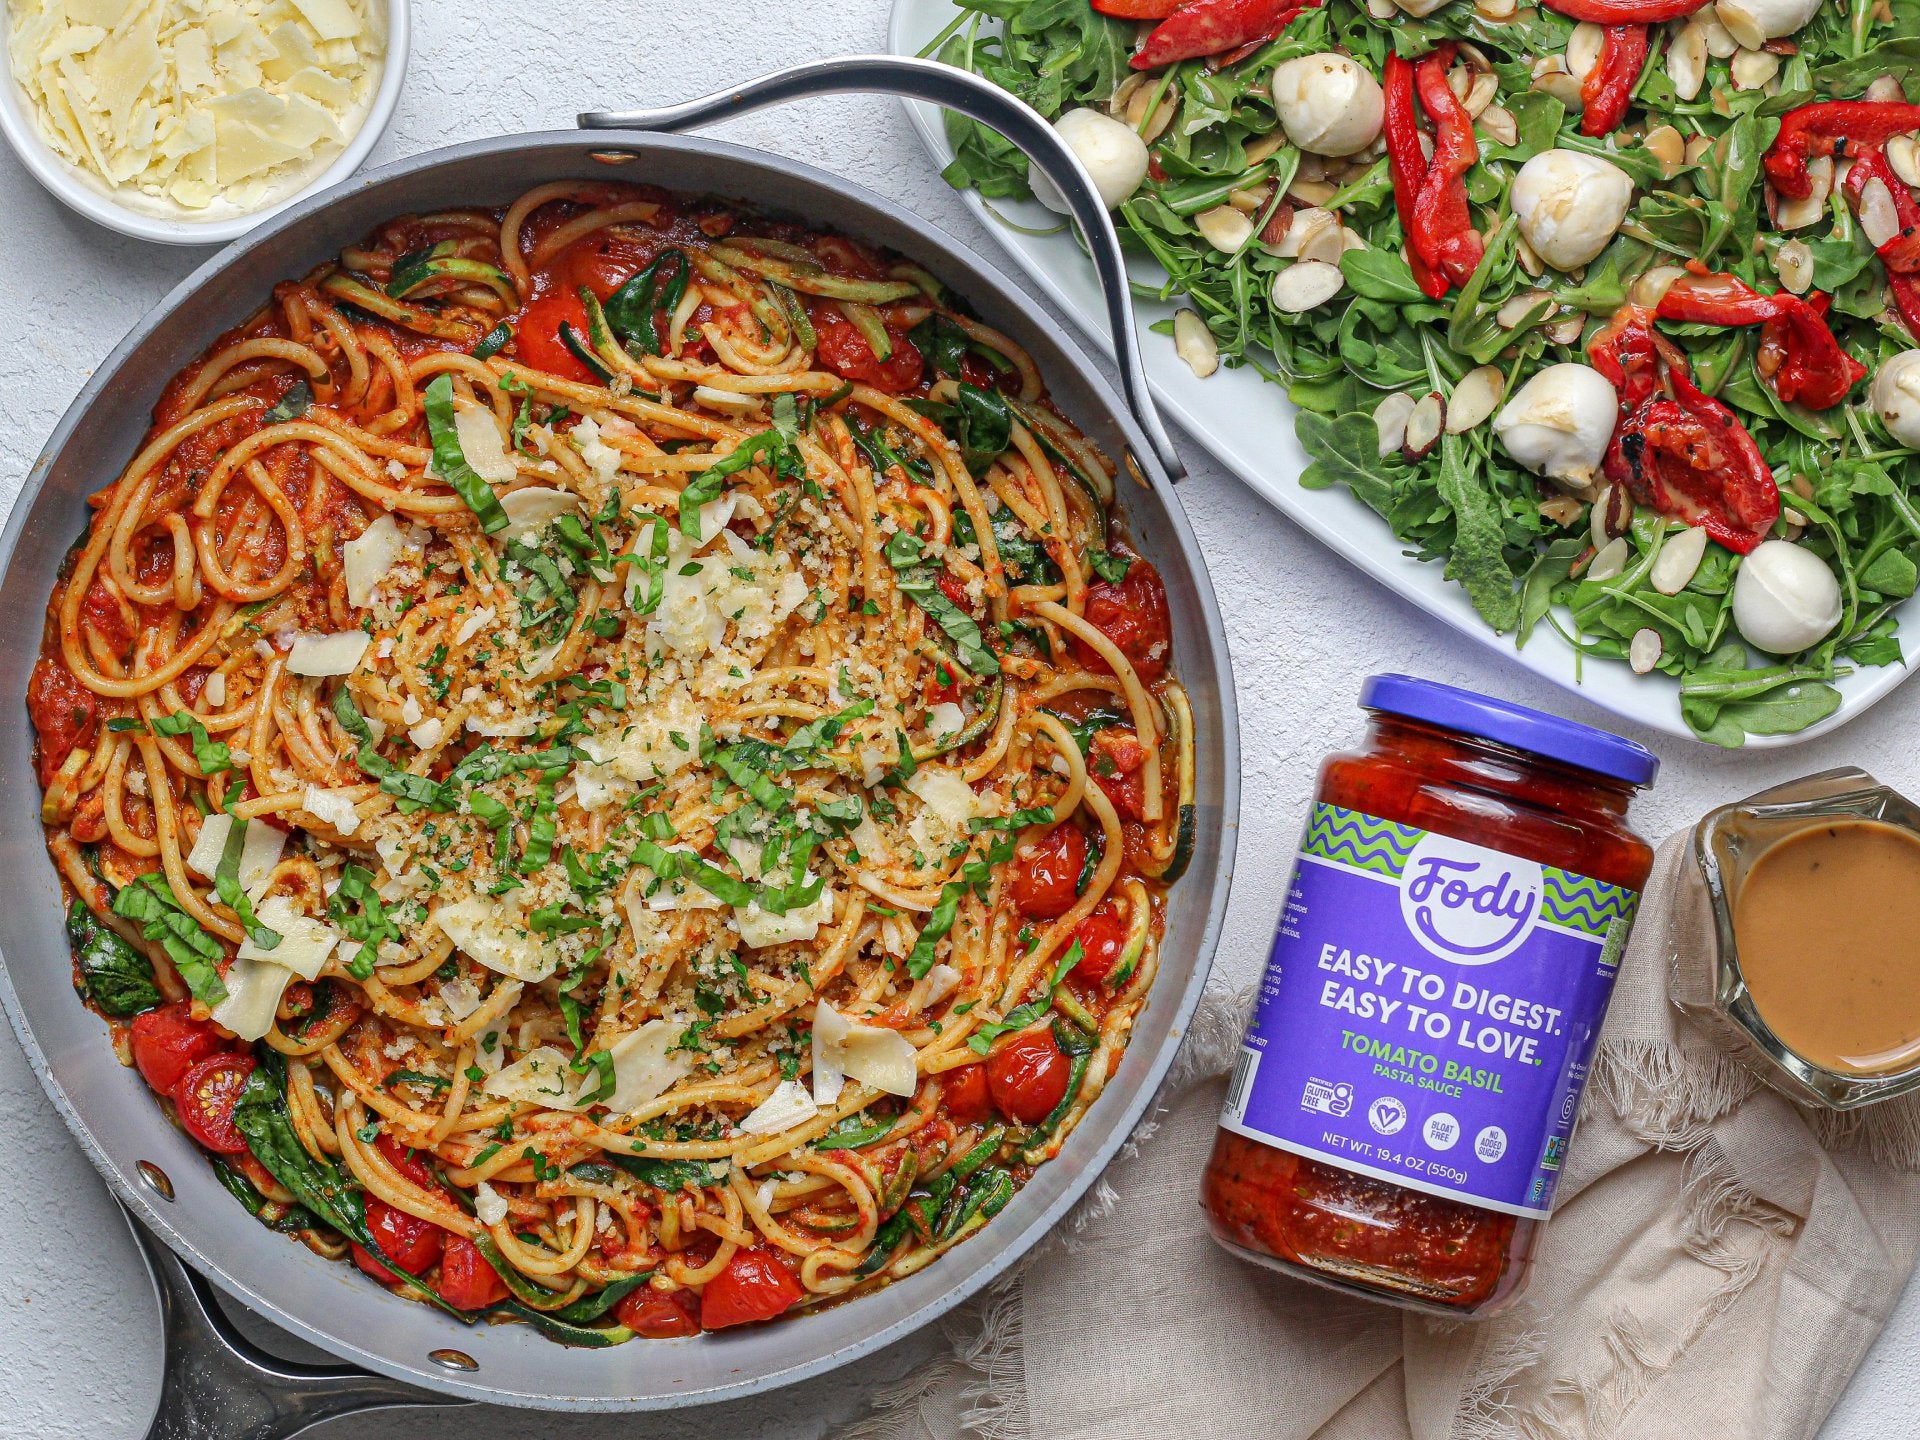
(611, 763)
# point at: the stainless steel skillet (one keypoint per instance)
(219, 1391)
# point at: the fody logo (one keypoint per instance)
(1468, 904)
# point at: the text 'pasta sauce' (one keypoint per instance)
(1828, 928)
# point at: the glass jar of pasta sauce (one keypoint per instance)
(1402, 1101)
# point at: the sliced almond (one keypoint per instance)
(1528, 257)
(1697, 148)
(1352, 239)
(1390, 419)
(1752, 69)
(1136, 108)
(1496, 10)
(1564, 332)
(1327, 242)
(1597, 522)
(1562, 509)
(1650, 287)
(1687, 60)
(1252, 200)
(1265, 147)
(1643, 651)
(1609, 560)
(1485, 86)
(1551, 77)
(1475, 398)
(1886, 88)
(1793, 263)
(1308, 222)
(1679, 558)
(1720, 42)
(1523, 304)
(1382, 9)
(1903, 154)
(1500, 126)
(1669, 147)
(1460, 81)
(1193, 342)
(1306, 285)
(1798, 214)
(1224, 228)
(1583, 49)
(1312, 192)
(1879, 219)
(1424, 424)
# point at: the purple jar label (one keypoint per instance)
(1429, 1011)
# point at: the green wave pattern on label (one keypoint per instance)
(1366, 842)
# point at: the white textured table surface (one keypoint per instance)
(78, 1353)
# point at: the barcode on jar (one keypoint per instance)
(1240, 1082)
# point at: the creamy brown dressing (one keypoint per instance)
(1827, 923)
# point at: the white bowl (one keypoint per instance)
(88, 195)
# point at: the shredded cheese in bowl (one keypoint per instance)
(197, 110)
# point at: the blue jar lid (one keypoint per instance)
(1534, 731)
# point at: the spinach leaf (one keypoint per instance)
(634, 310)
(290, 406)
(671, 1175)
(114, 975)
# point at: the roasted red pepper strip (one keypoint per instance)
(1832, 127)
(1901, 254)
(1625, 12)
(1686, 456)
(1407, 164)
(1798, 351)
(1442, 225)
(1608, 89)
(1137, 9)
(1207, 27)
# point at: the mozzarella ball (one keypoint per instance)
(1754, 22)
(1784, 598)
(1114, 154)
(1328, 104)
(1559, 422)
(1569, 205)
(1896, 397)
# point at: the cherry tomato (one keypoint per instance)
(1046, 873)
(1102, 936)
(467, 1281)
(536, 335)
(755, 1285)
(1115, 766)
(205, 1098)
(841, 348)
(657, 1316)
(168, 1042)
(1132, 614)
(64, 713)
(1027, 1074)
(965, 1097)
(411, 1243)
(955, 590)
(409, 1162)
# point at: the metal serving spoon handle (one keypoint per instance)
(941, 84)
(218, 1385)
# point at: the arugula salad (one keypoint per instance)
(1607, 306)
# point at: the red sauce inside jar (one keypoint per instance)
(1327, 1223)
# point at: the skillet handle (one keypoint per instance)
(218, 1385)
(955, 89)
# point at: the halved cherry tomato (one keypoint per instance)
(205, 1098)
(1027, 1074)
(536, 334)
(168, 1042)
(842, 349)
(965, 1096)
(1046, 872)
(1102, 936)
(955, 590)
(660, 1316)
(1115, 764)
(64, 713)
(409, 1162)
(467, 1281)
(754, 1285)
(408, 1241)
(1133, 615)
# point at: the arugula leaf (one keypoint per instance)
(450, 461)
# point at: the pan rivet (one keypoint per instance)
(156, 1179)
(454, 1360)
(612, 157)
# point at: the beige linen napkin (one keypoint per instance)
(1718, 1263)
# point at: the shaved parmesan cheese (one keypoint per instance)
(946, 718)
(540, 1077)
(480, 442)
(305, 943)
(661, 740)
(461, 996)
(259, 852)
(215, 690)
(645, 1065)
(531, 510)
(330, 808)
(759, 928)
(254, 988)
(489, 1205)
(328, 654)
(331, 19)
(946, 794)
(871, 1054)
(368, 557)
(786, 1107)
(942, 981)
(473, 624)
(428, 732)
(492, 935)
(602, 457)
